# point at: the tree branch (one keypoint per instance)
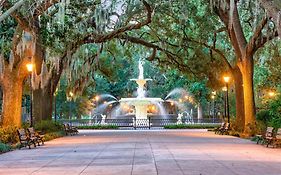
(219, 52)
(12, 10)
(231, 33)
(240, 37)
(273, 11)
(98, 38)
(262, 40)
(251, 46)
(43, 7)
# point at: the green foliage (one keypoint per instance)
(99, 127)
(25, 125)
(271, 114)
(4, 147)
(8, 135)
(53, 135)
(264, 116)
(260, 127)
(47, 126)
(195, 126)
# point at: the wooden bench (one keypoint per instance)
(71, 130)
(225, 129)
(267, 134)
(277, 139)
(25, 140)
(38, 137)
(220, 128)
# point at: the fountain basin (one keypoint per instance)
(140, 105)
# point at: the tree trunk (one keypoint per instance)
(249, 103)
(12, 98)
(239, 98)
(43, 103)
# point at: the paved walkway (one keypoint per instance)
(190, 152)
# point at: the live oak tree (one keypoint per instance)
(245, 47)
(30, 27)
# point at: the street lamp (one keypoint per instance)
(226, 80)
(271, 94)
(30, 67)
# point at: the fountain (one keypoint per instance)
(142, 107)
(141, 102)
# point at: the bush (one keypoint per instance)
(8, 134)
(191, 126)
(275, 113)
(53, 135)
(4, 148)
(264, 116)
(271, 115)
(25, 125)
(99, 127)
(275, 122)
(48, 126)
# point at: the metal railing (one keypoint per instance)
(139, 123)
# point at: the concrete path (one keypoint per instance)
(190, 152)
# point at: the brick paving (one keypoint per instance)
(144, 152)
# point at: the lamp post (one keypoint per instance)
(70, 104)
(226, 80)
(29, 67)
(55, 103)
(224, 99)
(213, 96)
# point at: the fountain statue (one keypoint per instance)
(141, 69)
(140, 102)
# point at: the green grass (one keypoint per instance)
(99, 127)
(192, 126)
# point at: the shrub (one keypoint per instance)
(25, 125)
(264, 116)
(8, 134)
(99, 127)
(48, 126)
(53, 135)
(4, 147)
(191, 126)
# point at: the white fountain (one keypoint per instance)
(140, 102)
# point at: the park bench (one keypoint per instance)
(38, 137)
(225, 129)
(269, 137)
(267, 134)
(275, 139)
(25, 140)
(218, 129)
(71, 130)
